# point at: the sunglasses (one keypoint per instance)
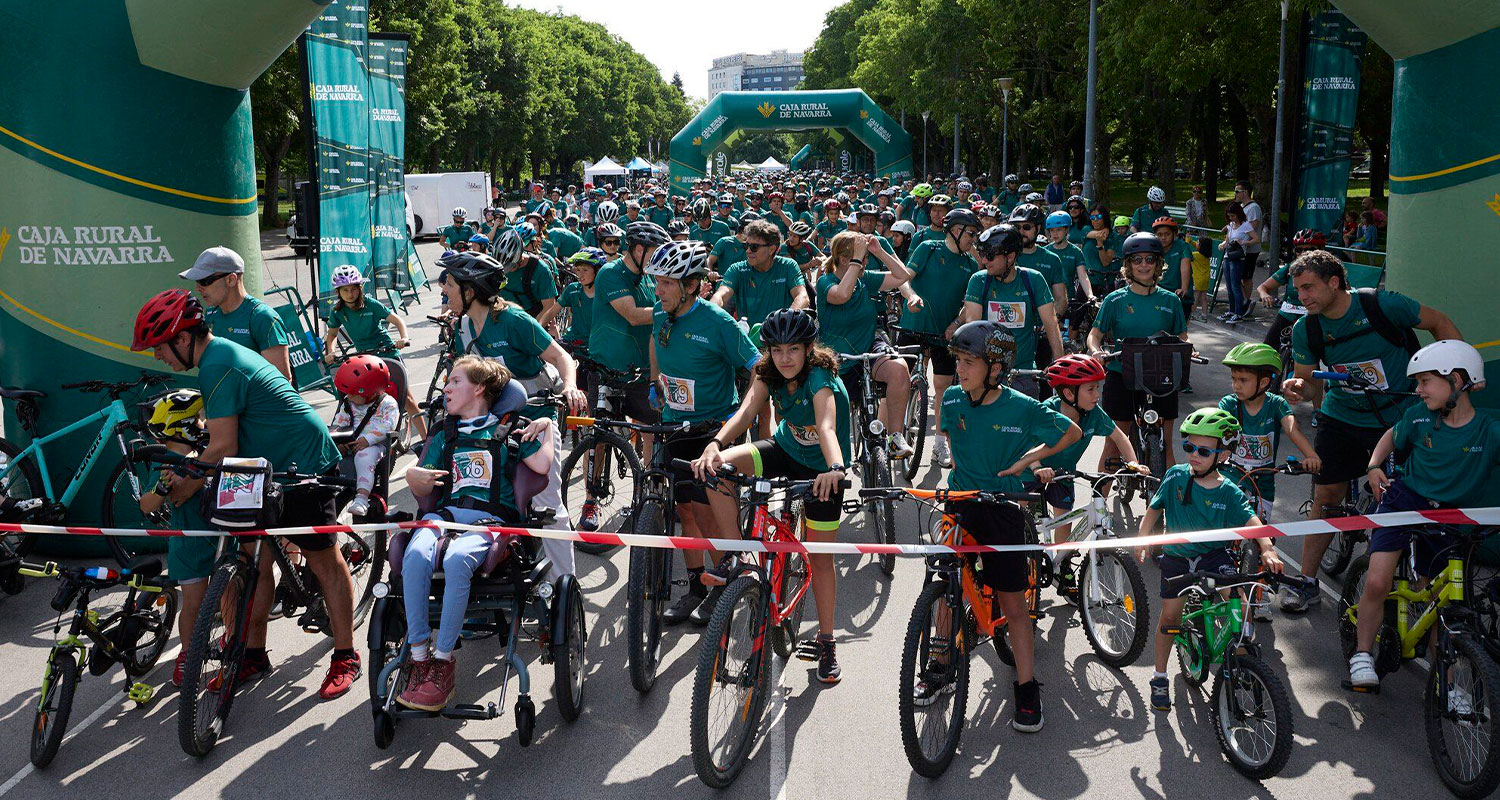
(1206, 452)
(1026, 226)
(211, 280)
(1141, 258)
(1097, 216)
(751, 247)
(609, 242)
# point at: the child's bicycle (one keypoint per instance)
(1250, 707)
(1461, 698)
(133, 636)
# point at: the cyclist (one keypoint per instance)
(705, 228)
(914, 206)
(1075, 274)
(564, 237)
(478, 243)
(832, 225)
(1195, 497)
(609, 236)
(800, 380)
(1078, 219)
(866, 219)
(454, 236)
(764, 281)
(233, 314)
(902, 233)
(730, 250)
(660, 212)
(605, 213)
(1305, 240)
(578, 298)
(1009, 197)
(1015, 297)
(1152, 210)
(1099, 248)
(1178, 275)
(530, 280)
(997, 433)
(797, 247)
(776, 212)
(1367, 332)
(724, 211)
(1264, 418)
(937, 210)
(678, 230)
(940, 276)
(1029, 221)
(1448, 451)
(253, 412)
(363, 319)
(696, 347)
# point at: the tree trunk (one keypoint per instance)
(271, 213)
(1166, 171)
(1210, 147)
(1239, 124)
(1380, 168)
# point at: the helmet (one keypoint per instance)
(607, 212)
(831, 204)
(958, 217)
(1024, 189)
(789, 326)
(481, 272)
(1307, 237)
(986, 340)
(608, 230)
(480, 239)
(349, 275)
(702, 208)
(921, 190)
(905, 227)
(509, 243)
(1122, 222)
(526, 231)
(1253, 355)
(174, 417)
(1156, 195)
(645, 233)
(1142, 243)
(1026, 213)
(965, 186)
(999, 240)
(887, 216)
(1075, 369)
(365, 377)
(1033, 198)
(867, 210)
(1215, 422)
(461, 212)
(592, 256)
(747, 218)
(677, 227)
(570, 219)
(1166, 221)
(940, 200)
(800, 229)
(679, 260)
(164, 316)
(1076, 200)
(544, 209)
(1059, 219)
(726, 199)
(1446, 355)
(1011, 178)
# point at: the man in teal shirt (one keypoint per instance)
(1015, 297)
(234, 315)
(621, 334)
(764, 281)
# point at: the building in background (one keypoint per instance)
(745, 71)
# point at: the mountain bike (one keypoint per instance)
(870, 452)
(604, 465)
(447, 328)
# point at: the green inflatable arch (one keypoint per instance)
(731, 112)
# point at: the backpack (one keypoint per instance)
(528, 277)
(1369, 300)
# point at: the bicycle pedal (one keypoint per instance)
(1171, 630)
(807, 650)
(140, 693)
(1350, 687)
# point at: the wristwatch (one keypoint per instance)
(837, 467)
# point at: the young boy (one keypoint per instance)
(1448, 451)
(1077, 382)
(1264, 418)
(1194, 497)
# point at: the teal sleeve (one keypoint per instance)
(379, 309)
(1301, 353)
(226, 391)
(536, 337)
(1401, 435)
(336, 318)
(1163, 491)
(1100, 423)
(1240, 513)
(975, 288)
(544, 284)
(743, 352)
(1105, 319)
(873, 279)
(1402, 311)
(1048, 425)
(1043, 292)
(434, 451)
(530, 448)
(266, 328)
(794, 274)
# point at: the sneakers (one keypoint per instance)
(342, 673)
(942, 454)
(706, 608)
(683, 609)
(1187, 388)
(1298, 601)
(930, 688)
(1261, 612)
(588, 516)
(900, 448)
(359, 506)
(1161, 694)
(1362, 672)
(429, 687)
(1028, 717)
(828, 663)
(177, 670)
(252, 667)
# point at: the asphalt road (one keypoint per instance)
(1101, 738)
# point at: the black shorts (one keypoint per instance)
(303, 506)
(941, 360)
(1221, 561)
(1044, 356)
(853, 379)
(688, 448)
(775, 462)
(1120, 403)
(1003, 523)
(1429, 549)
(1345, 449)
(1273, 335)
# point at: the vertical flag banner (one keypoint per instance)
(387, 58)
(334, 50)
(1330, 105)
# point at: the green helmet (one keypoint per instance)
(1215, 422)
(1253, 355)
(921, 190)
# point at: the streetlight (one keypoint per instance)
(925, 115)
(1091, 110)
(1006, 84)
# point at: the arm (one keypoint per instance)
(400, 325)
(328, 354)
(1187, 277)
(799, 296)
(1122, 443)
(756, 398)
(723, 295)
(839, 293)
(971, 311)
(1438, 324)
(1041, 451)
(279, 359)
(1148, 526)
(630, 312)
(1054, 333)
(1379, 481)
(1096, 341)
(1083, 281)
(1059, 300)
(539, 431)
(898, 270)
(550, 310)
(1267, 291)
(1293, 431)
(558, 357)
(223, 439)
(1302, 387)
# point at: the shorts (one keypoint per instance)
(313, 505)
(686, 488)
(190, 559)
(1429, 549)
(1044, 356)
(854, 378)
(773, 462)
(941, 360)
(1059, 494)
(1120, 403)
(1345, 449)
(1273, 336)
(1220, 561)
(1003, 523)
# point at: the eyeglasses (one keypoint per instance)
(1206, 452)
(204, 283)
(970, 232)
(609, 242)
(1141, 258)
(751, 247)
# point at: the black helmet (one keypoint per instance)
(887, 217)
(789, 326)
(645, 233)
(986, 340)
(702, 208)
(1142, 242)
(960, 217)
(997, 240)
(479, 271)
(1027, 212)
(677, 227)
(747, 218)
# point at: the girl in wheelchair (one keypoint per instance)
(474, 475)
(369, 414)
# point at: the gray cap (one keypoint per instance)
(218, 260)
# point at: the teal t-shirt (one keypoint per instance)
(1223, 506)
(1447, 464)
(365, 327)
(987, 439)
(473, 469)
(827, 229)
(1094, 423)
(756, 293)
(928, 234)
(1260, 436)
(941, 277)
(275, 423)
(1091, 254)
(1127, 315)
(1044, 260)
(662, 216)
(727, 251)
(530, 283)
(849, 327)
(612, 340)
(580, 306)
(802, 253)
(711, 235)
(797, 431)
(456, 236)
(1078, 234)
(1016, 305)
(511, 335)
(1283, 276)
(1145, 215)
(566, 241)
(1171, 278)
(1368, 352)
(1071, 257)
(697, 354)
(253, 325)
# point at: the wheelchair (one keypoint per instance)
(523, 590)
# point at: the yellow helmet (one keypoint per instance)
(174, 417)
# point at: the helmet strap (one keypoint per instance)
(192, 359)
(1063, 398)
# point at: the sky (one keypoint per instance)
(686, 37)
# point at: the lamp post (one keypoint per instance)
(1006, 84)
(1091, 111)
(925, 115)
(1275, 203)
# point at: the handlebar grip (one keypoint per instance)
(683, 464)
(159, 454)
(79, 385)
(1324, 375)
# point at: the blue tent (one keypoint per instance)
(638, 164)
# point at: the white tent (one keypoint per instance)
(769, 165)
(605, 166)
(660, 168)
(743, 166)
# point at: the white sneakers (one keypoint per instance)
(941, 453)
(900, 448)
(1362, 671)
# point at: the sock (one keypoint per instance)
(420, 652)
(339, 655)
(695, 582)
(1155, 674)
(443, 655)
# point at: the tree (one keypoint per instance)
(677, 84)
(276, 108)
(1374, 119)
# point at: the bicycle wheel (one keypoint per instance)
(1192, 647)
(1336, 558)
(1153, 456)
(731, 683)
(615, 466)
(1252, 716)
(214, 656)
(884, 516)
(22, 482)
(122, 508)
(915, 424)
(364, 552)
(1113, 606)
(793, 577)
(55, 704)
(145, 629)
(930, 732)
(646, 597)
(1461, 717)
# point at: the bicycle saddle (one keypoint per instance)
(21, 394)
(145, 566)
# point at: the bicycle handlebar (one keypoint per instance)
(1211, 581)
(146, 379)
(159, 454)
(631, 377)
(731, 475)
(899, 492)
(1357, 382)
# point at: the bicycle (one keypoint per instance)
(1250, 707)
(611, 462)
(24, 473)
(871, 455)
(761, 603)
(133, 636)
(1443, 619)
(1148, 434)
(447, 335)
(1247, 555)
(915, 421)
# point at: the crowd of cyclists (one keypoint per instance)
(749, 311)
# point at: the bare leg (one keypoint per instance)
(338, 593)
(192, 600)
(824, 580)
(897, 379)
(1171, 616)
(1315, 545)
(1378, 580)
(1019, 631)
(265, 590)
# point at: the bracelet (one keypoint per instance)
(1373, 467)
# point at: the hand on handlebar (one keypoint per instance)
(827, 483)
(1271, 560)
(709, 463)
(1045, 474)
(1312, 463)
(403, 343)
(1379, 482)
(578, 402)
(914, 303)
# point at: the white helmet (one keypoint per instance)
(346, 275)
(904, 227)
(1446, 355)
(1156, 195)
(679, 260)
(508, 247)
(607, 212)
(461, 212)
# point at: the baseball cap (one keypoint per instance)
(217, 260)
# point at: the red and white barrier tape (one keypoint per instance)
(1469, 516)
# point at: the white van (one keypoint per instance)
(433, 197)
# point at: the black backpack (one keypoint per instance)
(1369, 300)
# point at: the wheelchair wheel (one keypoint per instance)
(568, 636)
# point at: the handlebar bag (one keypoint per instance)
(245, 499)
(1159, 365)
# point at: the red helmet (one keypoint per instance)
(1075, 370)
(1308, 237)
(164, 316)
(365, 377)
(1164, 221)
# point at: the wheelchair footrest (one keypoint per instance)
(471, 711)
(1350, 687)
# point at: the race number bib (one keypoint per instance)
(1373, 371)
(1289, 308)
(804, 434)
(681, 393)
(474, 469)
(1011, 314)
(1254, 450)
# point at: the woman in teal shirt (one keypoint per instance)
(363, 320)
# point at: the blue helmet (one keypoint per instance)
(1059, 219)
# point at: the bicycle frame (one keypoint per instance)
(111, 418)
(1222, 622)
(780, 531)
(1446, 589)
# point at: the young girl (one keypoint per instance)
(578, 297)
(364, 320)
(369, 414)
(801, 380)
(473, 479)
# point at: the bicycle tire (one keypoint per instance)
(121, 508)
(741, 610)
(1116, 651)
(915, 423)
(885, 510)
(915, 654)
(784, 634)
(155, 620)
(1485, 694)
(1191, 647)
(24, 482)
(1267, 688)
(55, 705)
(213, 659)
(1152, 445)
(1338, 555)
(646, 594)
(619, 455)
(364, 552)
(568, 648)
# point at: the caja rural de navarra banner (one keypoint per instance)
(1330, 106)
